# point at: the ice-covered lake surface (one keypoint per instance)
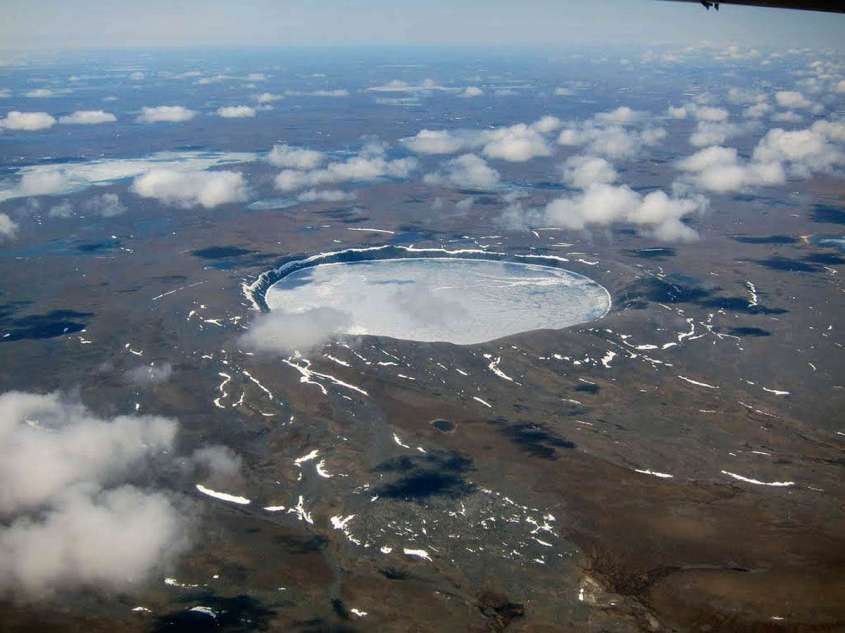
(462, 301)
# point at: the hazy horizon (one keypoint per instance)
(87, 24)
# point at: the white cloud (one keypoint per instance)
(369, 165)
(612, 134)
(236, 112)
(517, 143)
(583, 171)
(743, 96)
(471, 91)
(151, 374)
(757, 111)
(256, 77)
(70, 521)
(213, 79)
(88, 117)
(295, 157)
(287, 333)
(791, 99)
(840, 86)
(677, 113)
(266, 98)
(787, 117)
(623, 115)
(44, 183)
(339, 92)
(70, 177)
(710, 113)
(397, 85)
(137, 76)
(326, 195)
(603, 204)
(70, 445)
(28, 121)
(612, 142)
(62, 210)
(804, 151)
(165, 114)
(563, 92)
(465, 172)
(8, 227)
(547, 124)
(40, 93)
(719, 169)
(797, 153)
(710, 133)
(107, 205)
(514, 143)
(186, 189)
(435, 142)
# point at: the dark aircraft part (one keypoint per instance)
(831, 6)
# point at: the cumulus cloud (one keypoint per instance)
(371, 164)
(744, 96)
(814, 149)
(295, 157)
(88, 117)
(152, 374)
(471, 91)
(70, 519)
(787, 117)
(623, 115)
(106, 204)
(236, 112)
(611, 142)
(28, 121)
(287, 333)
(465, 172)
(720, 170)
(266, 98)
(215, 464)
(677, 113)
(792, 99)
(436, 142)
(583, 171)
(547, 124)
(70, 177)
(397, 85)
(111, 540)
(62, 210)
(40, 93)
(165, 114)
(187, 189)
(712, 133)
(757, 111)
(620, 134)
(514, 143)
(601, 204)
(326, 195)
(8, 227)
(710, 113)
(338, 92)
(44, 183)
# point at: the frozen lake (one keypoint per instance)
(462, 301)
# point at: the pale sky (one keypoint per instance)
(547, 23)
